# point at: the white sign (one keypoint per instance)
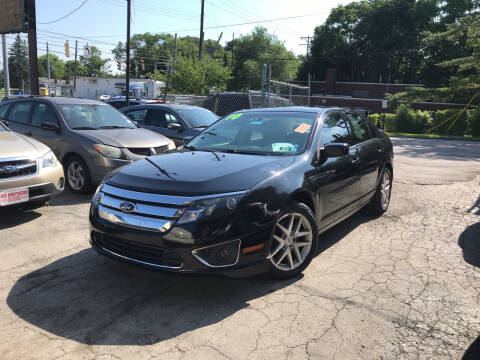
(384, 104)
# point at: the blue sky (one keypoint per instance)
(103, 22)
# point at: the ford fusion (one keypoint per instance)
(250, 193)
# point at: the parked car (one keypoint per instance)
(249, 193)
(29, 171)
(119, 102)
(176, 122)
(225, 103)
(104, 97)
(89, 137)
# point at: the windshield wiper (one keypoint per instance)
(214, 152)
(235, 151)
(84, 128)
(114, 127)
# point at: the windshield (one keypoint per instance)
(2, 127)
(92, 117)
(198, 117)
(268, 133)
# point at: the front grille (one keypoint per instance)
(141, 151)
(140, 252)
(13, 168)
(140, 210)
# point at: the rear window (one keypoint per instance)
(4, 110)
(20, 112)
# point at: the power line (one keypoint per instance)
(63, 17)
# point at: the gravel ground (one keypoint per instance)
(402, 286)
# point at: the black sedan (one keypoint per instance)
(177, 122)
(250, 193)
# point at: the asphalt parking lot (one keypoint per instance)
(402, 286)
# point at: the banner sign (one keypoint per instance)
(12, 16)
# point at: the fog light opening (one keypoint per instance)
(219, 255)
(61, 183)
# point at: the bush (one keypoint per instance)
(404, 119)
(475, 122)
(422, 122)
(448, 117)
(385, 119)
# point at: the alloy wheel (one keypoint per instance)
(385, 190)
(292, 241)
(76, 175)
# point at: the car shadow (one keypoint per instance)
(69, 198)
(475, 207)
(93, 300)
(10, 218)
(469, 241)
(342, 229)
(473, 351)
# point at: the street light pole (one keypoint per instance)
(200, 45)
(6, 78)
(127, 71)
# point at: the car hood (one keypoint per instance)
(132, 138)
(195, 173)
(16, 145)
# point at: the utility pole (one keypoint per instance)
(127, 72)
(32, 46)
(167, 83)
(175, 49)
(264, 83)
(202, 14)
(216, 45)
(75, 70)
(48, 70)
(6, 78)
(268, 84)
(308, 40)
(233, 45)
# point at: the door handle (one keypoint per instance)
(356, 161)
(28, 133)
(381, 150)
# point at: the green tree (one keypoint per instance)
(382, 40)
(464, 66)
(257, 48)
(200, 77)
(70, 69)
(95, 64)
(57, 67)
(18, 63)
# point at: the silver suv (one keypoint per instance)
(89, 137)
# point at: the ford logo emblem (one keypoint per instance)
(128, 207)
(8, 169)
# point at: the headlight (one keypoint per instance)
(48, 159)
(111, 152)
(206, 207)
(171, 145)
(96, 196)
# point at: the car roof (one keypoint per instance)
(317, 110)
(56, 100)
(163, 106)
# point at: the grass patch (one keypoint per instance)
(435, 136)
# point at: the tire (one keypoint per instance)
(288, 254)
(77, 176)
(381, 200)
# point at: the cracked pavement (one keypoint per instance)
(402, 286)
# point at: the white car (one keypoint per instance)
(104, 97)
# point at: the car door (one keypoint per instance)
(44, 113)
(365, 148)
(19, 117)
(160, 119)
(334, 179)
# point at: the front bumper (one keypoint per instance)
(139, 247)
(45, 184)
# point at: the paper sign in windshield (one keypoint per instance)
(302, 128)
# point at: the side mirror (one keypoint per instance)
(175, 126)
(4, 122)
(332, 151)
(50, 126)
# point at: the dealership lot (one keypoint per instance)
(405, 285)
